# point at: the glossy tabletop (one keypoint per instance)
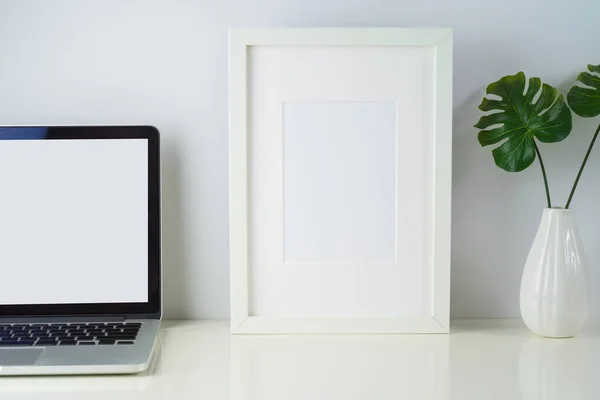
(480, 359)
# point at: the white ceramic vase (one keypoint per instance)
(554, 286)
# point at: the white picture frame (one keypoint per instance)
(435, 286)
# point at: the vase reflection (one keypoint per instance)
(557, 369)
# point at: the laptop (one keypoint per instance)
(80, 249)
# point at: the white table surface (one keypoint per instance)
(480, 359)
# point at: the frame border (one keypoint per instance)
(239, 41)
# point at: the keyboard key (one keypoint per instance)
(47, 340)
(119, 334)
(21, 326)
(125, 342)
(122, 338)
(87, 343)
(133, 324)
(46, 343)
(68, 342)
(21, 334)
(40, 325)
(100, 342)
(98, 336)
(81, 337)
(15, 342)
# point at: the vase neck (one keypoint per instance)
(558, 211)
(558, 214)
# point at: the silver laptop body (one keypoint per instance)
(94, 306)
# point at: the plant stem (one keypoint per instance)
(587, 155)
(537, 151)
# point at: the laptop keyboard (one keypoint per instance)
(74, 334)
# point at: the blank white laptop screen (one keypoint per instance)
(73, 221)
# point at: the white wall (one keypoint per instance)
(165, 63)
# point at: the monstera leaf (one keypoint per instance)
(522, 116)
(585, 101)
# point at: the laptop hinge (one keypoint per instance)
(59, 318)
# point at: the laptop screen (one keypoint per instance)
(74, 217)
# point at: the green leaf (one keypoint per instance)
(518, 120)
(585, 101)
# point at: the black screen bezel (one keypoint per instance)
(153, 306)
